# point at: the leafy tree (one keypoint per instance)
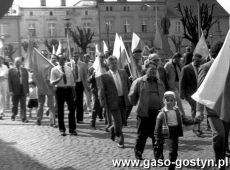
(50, 43)
(9, 50)
(25, 45)
(189, 20)
(82, 37)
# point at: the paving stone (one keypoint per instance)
(26, 146)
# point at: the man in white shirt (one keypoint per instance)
(3, 85)
(114, 96)
(62, 78)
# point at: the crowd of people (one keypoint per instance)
(156, 91)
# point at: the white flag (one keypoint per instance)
(201, 47)
(59, 48)
(105, 48)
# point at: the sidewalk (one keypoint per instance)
(31, 147)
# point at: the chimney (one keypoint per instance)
(63, 2)
(43, 2)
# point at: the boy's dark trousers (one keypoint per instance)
(173, 149)
(145, 129)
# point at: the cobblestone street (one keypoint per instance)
(31, 147)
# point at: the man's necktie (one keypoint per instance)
(64, 75)
(19, 74)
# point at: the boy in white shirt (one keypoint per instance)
(33, 97)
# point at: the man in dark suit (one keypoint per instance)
(219, 126)
(18, 88)
(188, 85)
(80, 71)
(114, 95)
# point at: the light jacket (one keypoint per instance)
(139, 95)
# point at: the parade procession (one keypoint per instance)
(114, 84)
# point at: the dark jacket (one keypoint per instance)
(172, 131)
(108, 94)
(175, 131)
(14, 81)
(188, 82)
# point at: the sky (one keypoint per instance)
(34, 3)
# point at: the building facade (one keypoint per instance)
(125, 17)
(105, 19)
(10, 33)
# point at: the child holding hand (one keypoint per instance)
(169, 126)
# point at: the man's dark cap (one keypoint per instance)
(137, 51)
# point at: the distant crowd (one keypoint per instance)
(109, 92)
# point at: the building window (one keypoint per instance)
(63, 2)
(156, 8)
(67, 27)
(107, 8)
(52, 29)
(67, 12)
(31, 13)
(143, 8)
(86, 26)
(126, 26)
(51, 13)
(126, 8)
(108, 25)
(178, 27)
(32, 30)
(43, 2)
(86, 12)
(3, 29)
(144, 26)
(111, 8)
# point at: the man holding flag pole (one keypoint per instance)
(215, 75)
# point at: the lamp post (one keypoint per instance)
(67, 21)
(150, 6)
(107, 24)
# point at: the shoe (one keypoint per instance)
(198, 133)
(80, 122)
(13, 118)
(38, 122)
(138, 155)
(124, 124)
(63, 133)
(73, 133)
(93, 127)
(25, 121)
(113, 136)
(120, 145)
(107, 129)
(47, 113)
(53, 125)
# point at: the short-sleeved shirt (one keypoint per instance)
(56, 73)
